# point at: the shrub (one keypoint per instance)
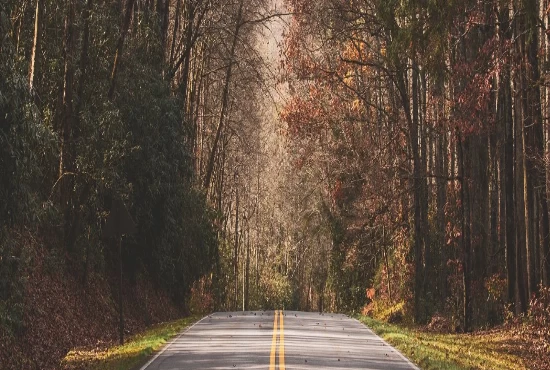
(539, 314)
(201, 298)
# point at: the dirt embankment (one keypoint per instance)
(61, 313)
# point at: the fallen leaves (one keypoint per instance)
(61, 316)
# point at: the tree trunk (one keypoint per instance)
(441, 200)
(520, 225)
(225, 100)
(493, 259)
(36, 42)
(545, 174)
(526, 164)
(67, 151)
(535, 152)
(186, 58)
(464, 175)
(120, 45)
(163, 10)
(247, 271)
(175, 31)
(505, 115)
(427, 262)
(417, 188)
(236, 249)
(477, 186)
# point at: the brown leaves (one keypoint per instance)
(370, 293)
(60, 315)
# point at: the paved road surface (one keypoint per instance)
(301, 340)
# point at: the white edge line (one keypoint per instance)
(382, 339)
(170, 343)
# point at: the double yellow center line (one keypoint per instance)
(281, 342)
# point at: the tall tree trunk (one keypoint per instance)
(175, 32)
(84, 58)
(36, 42)
(493, 260)
(505, 115)
(519, 193)
(236, 248)
(67, 153)
(464, 175)
(545, 238)
(163, 11)
(545, 174)
(526, 164)
(427, 278)
(120, 45)
(247, 270)
(225, 99)
(441, 201)
(535, 151)
(477, 184)
(418, 204)
(186, 58)
(77, 217)
(412, 124)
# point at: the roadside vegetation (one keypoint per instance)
(487, 350)
(130, 355)
(519, 342)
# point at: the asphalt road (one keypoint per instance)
(301, 340)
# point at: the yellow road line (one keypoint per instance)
(273, 343)
(281, 343)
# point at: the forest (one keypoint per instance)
(389, 157)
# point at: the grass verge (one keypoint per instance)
(132, 353)
(483, 350)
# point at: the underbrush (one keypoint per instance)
(522, 342)
(384, 311)
(13, 261)
(57, 312)
(535, 328)
(133, 353)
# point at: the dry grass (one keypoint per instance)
(495, 349)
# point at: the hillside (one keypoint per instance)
(59, 312)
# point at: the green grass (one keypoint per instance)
(128, 356)
(484, 350)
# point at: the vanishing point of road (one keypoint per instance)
(278, 340)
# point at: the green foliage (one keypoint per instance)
(351, 270)
(25, 147)
(132, 147)
(175, 240)
(277, 290)
(25, 144)
(386, 311)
